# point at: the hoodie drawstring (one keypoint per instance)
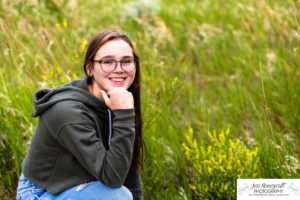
(109, 119)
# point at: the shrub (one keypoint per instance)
(215, 167)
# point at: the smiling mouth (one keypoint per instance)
(118, 81)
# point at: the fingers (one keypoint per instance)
(117, 98)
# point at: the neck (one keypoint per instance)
(94, 91)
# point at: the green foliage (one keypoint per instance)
(205, 64)
(215, 167)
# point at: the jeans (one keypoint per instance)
(88, 191)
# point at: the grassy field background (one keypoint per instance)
(206, 65)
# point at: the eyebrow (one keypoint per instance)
(112, 56)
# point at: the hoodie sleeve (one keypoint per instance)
(78, 132)
(134, 184)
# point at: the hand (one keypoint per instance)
(117, 98)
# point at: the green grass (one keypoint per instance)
(205, 64)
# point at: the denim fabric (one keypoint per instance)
(88, 191)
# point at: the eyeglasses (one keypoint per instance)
(109, 65)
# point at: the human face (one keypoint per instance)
(116, 49)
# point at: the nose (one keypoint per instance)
(118, 67)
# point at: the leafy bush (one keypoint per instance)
(229, 63)
(216, 166)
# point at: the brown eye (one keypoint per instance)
(127, 62)
(108, 62)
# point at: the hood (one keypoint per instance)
(75, 91)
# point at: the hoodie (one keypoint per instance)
(78, 139)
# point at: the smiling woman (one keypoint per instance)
(88, 142)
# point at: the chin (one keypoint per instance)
(112, 87)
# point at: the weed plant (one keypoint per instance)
(205, 65)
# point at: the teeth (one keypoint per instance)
(117, 79)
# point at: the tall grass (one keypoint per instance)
(205, 65)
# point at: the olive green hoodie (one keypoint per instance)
(78, 140)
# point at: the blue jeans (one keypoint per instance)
(88, 191)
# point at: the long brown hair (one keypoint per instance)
(96, 42)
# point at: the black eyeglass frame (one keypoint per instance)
(120, 61)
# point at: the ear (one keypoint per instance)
(89, 68)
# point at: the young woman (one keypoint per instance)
(88, 143)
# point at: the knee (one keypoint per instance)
(102, 192)
(123, 193)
